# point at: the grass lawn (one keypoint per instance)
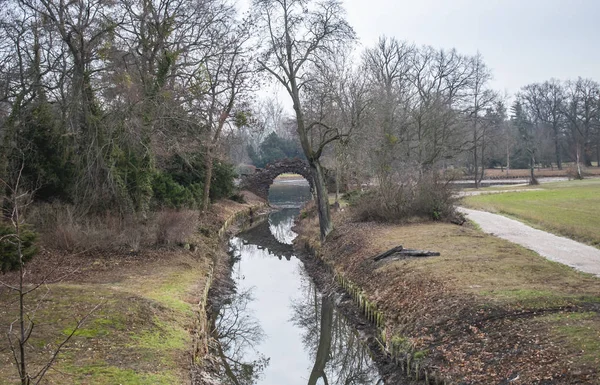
(138, 335)
(571, 209)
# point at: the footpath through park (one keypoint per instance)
(555, 248)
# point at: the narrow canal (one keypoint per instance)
(277, 329)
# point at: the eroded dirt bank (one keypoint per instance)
(484, 312)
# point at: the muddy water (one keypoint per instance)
(277, 329)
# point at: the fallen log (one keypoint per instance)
(386, 254)
(399, 252)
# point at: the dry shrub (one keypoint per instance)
(573, 172)
(175, 226)
(415, 196)
(63, 228)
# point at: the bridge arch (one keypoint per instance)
(260, 182)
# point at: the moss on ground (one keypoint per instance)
(146, 307)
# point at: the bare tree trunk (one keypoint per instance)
(325, 224)
(337, 186)
(482, 160)
(507, 157)
(579, 174)
(207, 178)
(533, 180)
(475, 156)
(557, 149)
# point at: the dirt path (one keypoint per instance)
(559, 249)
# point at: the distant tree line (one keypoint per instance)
(107, 104)
(274, 148)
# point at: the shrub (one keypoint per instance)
(426, 197)
(183, 173)
(352, 196)
(238, 197)
(168, 193)
(9, 251)
(175, 227)
(222, 185)
(63, 229)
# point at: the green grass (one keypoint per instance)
(571, 209)
(578, 331)
(138, 335)
(101, 373)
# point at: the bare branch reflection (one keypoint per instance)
(238, 332)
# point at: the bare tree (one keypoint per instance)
(21, 329)
(525, 127)
(224, 80)
(483, 99)
(300, 35)
(581, 110)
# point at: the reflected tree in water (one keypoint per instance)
(338, 354)
(238, 332)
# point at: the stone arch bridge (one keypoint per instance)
(259, 182)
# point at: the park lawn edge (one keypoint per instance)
(485, 311)
(490, 202)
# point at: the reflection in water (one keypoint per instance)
(335, 347)
(281, 223)
(305, 339)
(289, 193)
(238, 332)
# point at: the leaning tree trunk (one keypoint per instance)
(325, 224)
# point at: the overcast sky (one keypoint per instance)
(522, 41)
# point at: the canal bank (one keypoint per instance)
(276, 323)
(484, 312)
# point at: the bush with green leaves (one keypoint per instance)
(9, 246)
(168, 193)
(180, 183)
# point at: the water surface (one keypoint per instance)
(278, 329)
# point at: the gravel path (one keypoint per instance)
(575, 254)
(486, 192)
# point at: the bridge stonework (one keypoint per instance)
(259, 182)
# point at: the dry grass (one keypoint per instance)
(62, 229)
(176, 226)
(482, 309)
(490, 267)
(141, 334)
